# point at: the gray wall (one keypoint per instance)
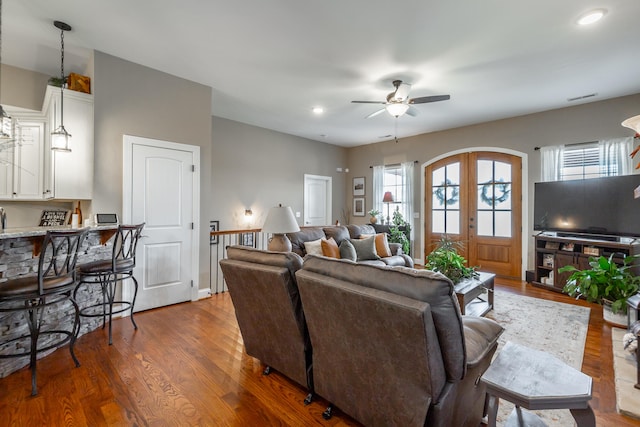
(582, 123)
(255, 168)
(23, 88)
(135, 100)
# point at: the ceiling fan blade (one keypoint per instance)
(375, 113)
(402, 92)
(368, 102)
(425, 99)
(412, 111)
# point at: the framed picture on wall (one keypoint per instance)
(358, 206)
(358, 186)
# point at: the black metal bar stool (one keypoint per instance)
(34, 295)
(107, 273)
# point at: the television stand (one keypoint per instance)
(555, 250)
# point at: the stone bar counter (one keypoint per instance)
(19, 252)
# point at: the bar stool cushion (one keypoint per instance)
(29, 285)
(102, 266)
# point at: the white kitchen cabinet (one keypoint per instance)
(69, 175)
(22, 163)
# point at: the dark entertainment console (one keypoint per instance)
(555, 250)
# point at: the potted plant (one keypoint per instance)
(605, 283)
(445, 259)
(399, 231)
(373, 213)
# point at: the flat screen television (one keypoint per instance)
(597, 206)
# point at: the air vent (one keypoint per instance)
(577, 98)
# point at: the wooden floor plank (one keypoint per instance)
(186, 365)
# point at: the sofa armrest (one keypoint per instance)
(396, 248)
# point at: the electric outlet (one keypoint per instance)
(297, 214)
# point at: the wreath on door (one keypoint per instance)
(441, 193)
(500, 193)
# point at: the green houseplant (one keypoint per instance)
(605, 282)
(445, 259)
(399, 232)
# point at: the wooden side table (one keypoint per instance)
(536, 380)
(469, 291)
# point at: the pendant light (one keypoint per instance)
(60, 136)
(7, 125)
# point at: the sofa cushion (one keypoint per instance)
(396, 261)
(330, 248)
(423, 285)
(480, 335)
(382, 245)
(365, 248)
(347, 251)
(355, 231)
(313, 247)
(338, 232)
(304, 235)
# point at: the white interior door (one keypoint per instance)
(317, 200)
(159, 191)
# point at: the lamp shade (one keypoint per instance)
(388, 197)
(632, 123)
(280, 220)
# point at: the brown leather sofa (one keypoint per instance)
(390, 346)
(265, 296)
(340, 233)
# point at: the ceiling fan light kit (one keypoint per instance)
(397, 109)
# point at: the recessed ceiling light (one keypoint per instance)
(318, 110)
(591, 17)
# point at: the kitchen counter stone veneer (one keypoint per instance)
(19, 252)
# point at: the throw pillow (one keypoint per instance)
(365, 248)
(330, 248)
(382, 245)
(313, 247)
(347, 251)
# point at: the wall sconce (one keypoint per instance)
(248, 215)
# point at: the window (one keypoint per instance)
(582, 162)
(398, 180)
(587, 160)
(393, 182)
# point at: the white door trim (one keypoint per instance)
(525, 196)
(127, 161)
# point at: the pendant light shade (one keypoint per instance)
(60, 136)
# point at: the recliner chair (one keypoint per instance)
(265, 296)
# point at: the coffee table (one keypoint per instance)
(536, 380)
(470, 294)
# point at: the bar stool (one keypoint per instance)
(107, 273)
(34, 295)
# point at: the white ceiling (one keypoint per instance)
(270, 62)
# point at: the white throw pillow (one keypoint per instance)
(313, 247)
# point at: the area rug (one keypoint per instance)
(624, 365)
(556, 328)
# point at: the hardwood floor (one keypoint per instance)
(186, 366)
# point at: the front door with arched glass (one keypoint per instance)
(476, 198)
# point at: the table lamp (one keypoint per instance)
(388, 198)
(280, 220)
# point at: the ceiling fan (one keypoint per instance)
(399, 103)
